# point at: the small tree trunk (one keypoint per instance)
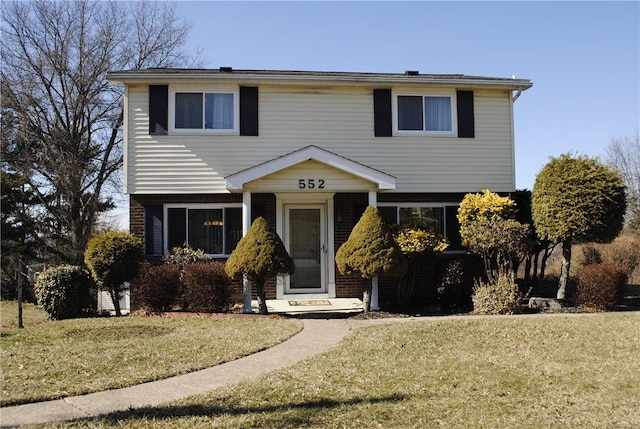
(366, 296)
(20, 280)
(260, 294)
(564, 269)
(115, 298)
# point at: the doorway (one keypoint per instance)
(306, 232)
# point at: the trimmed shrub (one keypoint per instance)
(64, 291)
(600, 286)
(114, 258)
(157, 287)
(261, 255)
(207, 288)
(502, 296)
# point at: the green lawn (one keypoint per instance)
(48, 360)
(546, 371)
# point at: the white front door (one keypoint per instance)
(306, 232)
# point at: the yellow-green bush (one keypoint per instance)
(501, 296)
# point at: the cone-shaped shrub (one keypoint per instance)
(260, 255)
(370, 251)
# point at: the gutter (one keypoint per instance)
(357, 79)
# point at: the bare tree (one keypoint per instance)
(624, 155)
(67, 138)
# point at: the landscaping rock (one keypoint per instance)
(544, 304)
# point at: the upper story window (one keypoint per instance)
(204, 112)
(420, 114)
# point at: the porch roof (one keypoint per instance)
(237, 181)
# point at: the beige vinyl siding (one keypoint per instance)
(315, 177)
(339, 120)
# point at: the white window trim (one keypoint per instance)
(189, 206)
(235, 90)
(423, 133)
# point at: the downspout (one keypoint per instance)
(515, 97)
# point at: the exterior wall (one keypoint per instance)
(348, 207)
(339, 120)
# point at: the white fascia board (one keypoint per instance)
(463, 81)
(237, 181)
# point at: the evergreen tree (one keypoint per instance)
(371, 251)
(260, 255)
(113, 259)
(577, 199)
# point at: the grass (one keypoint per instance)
(545, 371)
(49, 360)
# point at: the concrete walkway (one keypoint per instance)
(317, 336)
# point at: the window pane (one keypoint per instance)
(409, 112)
(233, 228)
(453, 228)
(389, 214)
(218, 111)
(437, 113)
(430, 218)
(205, 230)
(188, 110)
(176, 227)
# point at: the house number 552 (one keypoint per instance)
(311, 183)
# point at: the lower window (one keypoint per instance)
(438, 218)
(214, 230)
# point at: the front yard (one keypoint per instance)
(49, 360)
(542, 371)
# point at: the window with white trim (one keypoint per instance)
(440, 218)
(424, 114)
(214, 229)
(204, 112)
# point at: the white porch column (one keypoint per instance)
(246, 224)
(373, 201)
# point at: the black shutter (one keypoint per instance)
(158, 109)
(153, 232)
(382, 112)
(248, 110)
(466, 125)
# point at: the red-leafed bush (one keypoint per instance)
(156, 288)
(207, 287)
(600, 286)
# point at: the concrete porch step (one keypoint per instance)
(305, 305)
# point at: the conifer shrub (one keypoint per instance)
(64, 291)
(157, 287)
(500, 296)
(370, 250)
(114, 258)
(260, 255)
(600, 286)
(207, 288)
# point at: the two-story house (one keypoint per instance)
(208, 151)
